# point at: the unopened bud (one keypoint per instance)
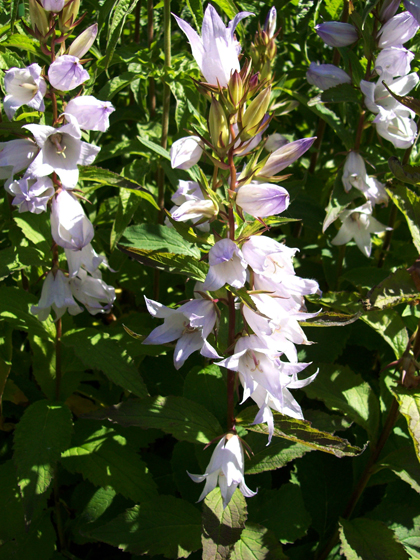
(69, 14)
(270, 22)
(412, 6)
(54, 6)
(218, 124)
(39, 18)
(266, 71)
(389, 9)
(253, 82)
(337, 34)
(256, 112)
(83, 42)
(236, 88)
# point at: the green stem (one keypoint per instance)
(58, 329)
(59, 519)
(150, 35)
(137, 22)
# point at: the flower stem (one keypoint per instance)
(58, 334)
(137, 22)
(150, 35)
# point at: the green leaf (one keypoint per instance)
(408, 203)
(368, 7)
(299, 431)
(167, 526)
(368, 539)
(228, 6)
(184, 419)
(39, 541)
(204, 386)
(36, 228)
(222, 528)
(339, 200)
(127, 205)
(390, 326)
(273, 221)
(334, 8)
(105, 177)
(6, 351)
(11, 518)
(169, 262)
(21, 42)
(103, 457)
(15, 305)
(96, 350)
(406, 173)
(257, 543)
(343, 93)
(274, 456)
(196, 9)
(154, 147)
(121, 10)
(398, 288)
(409, 402)
(404, 463)
(342, 389)
(151, 237)
(43, 432)
(331, 319)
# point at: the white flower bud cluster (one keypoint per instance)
(49, 162)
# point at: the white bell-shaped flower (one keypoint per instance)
(186, 152)
(90, 113)
(227, 266)
(55, 294)
(24, 86)
(70, 227)
(15, 156)
(93, 292)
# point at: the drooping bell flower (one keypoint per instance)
(24, 86)
(93, 292)
(216, 51)
(393, 61)
(90, 113)
(262, 199)
(66, 73)
(227, 266)
(397, 30)
(16, 155)
(336, 33)
(55, 294)
(54, 6)
(186, 152)
(70, 227)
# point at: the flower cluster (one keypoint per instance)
(261, 354)
(41, 170)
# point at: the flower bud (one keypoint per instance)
(218, 124)
(255, 113)
(398, 30)
(337, 34)
(388, 9)
(69, 15)
(285, 156)
(38, 17)
(236, 89)
(275, 141)
(253, 82)
(54, 6)
(83, 42)
(270, 22)
(325, 76)
(413, 6)
(186, 152)
(262, 199)
(70, 227)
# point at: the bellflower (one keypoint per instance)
(289, 290)
(186, 152)
(227, 266)
(192, 204)
(325, 76)
(92, 291)
(83, 42)
(24, 86)
(54, 6)
(393, 61)
(31, 195)
(413, 7)
(270, 22)
(191, 324)
(399, 128)
(70, 227)
(90, 113)
(216, 51)
(268, 257)
(336, 33)
(358, 224)
(15, 156)
(66, 73)
(388, 9)
(285, 156)
(85, 257)
(226, 469)
(61, 150)
(56, 294)
(262, 199)
(354, 175)
(377, 96)
(397, 30)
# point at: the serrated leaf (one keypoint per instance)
(121, 10)
(15, 305)
(368, 539)
(390, 326)
(404, 463)
(103, 457)
(257, 543)
(331, 319)
(37, 229)
(43, 432)
(32, 544)
(405, 173)
(343, 93)
(408, 203)
(222, 528)
(299, 431)
(96, 350)
(409, 402)
(127, 205)
(342, 389)
(184, 419)
(151, 237)
(398, 288)
(167, 526)
(274, 456)
(169, 262)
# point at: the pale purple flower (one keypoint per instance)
(186, 152)
(90, 113)
(24, 86)
(226, 469)
(93, 292)
(216, 51)
(397, 30)
(290, 289)
(270, 22)
(358, 224)
(70, 227)
(86, 257)
(83, 42)
(413, 6)
(66, 73)
(61, 150)
(15, 156)
(393, 61)
(399, 127)
(388, 9)
(192, 205)
(325, 76)
(285, 156)
(379, 100)
(31, 195)
(190, 324)
(337, 34)
(53, 5)
(227, 266)
(354, 175)
(262, 199)
(56, 294)
(268, 257)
